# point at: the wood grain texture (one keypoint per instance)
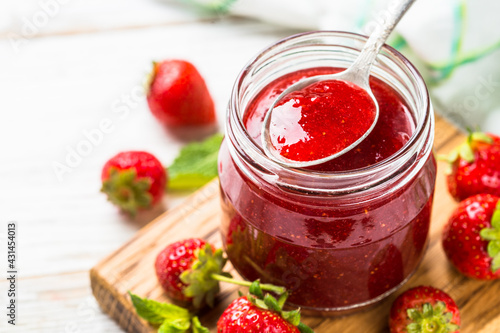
(131, 267)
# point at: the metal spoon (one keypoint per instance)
(358, 73)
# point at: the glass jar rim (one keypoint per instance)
(252, 155)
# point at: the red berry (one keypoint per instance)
(185, 270)
(133, 180)
(173, 261)
(424, 309)
(244, 317)
(178, 95)
(471, 239)
(475, 167)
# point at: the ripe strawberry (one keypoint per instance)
(178, 96)
(471, 239)
(257, 313)
(475, 166)
(133, 180)
(243, 316)
(423, 310)
(185, 270)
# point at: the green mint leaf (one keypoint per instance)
(195, 165)
(159, 313)
(197, 327)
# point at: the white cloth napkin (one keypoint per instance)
(454, 43)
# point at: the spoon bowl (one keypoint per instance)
(358, 74)
(273, 153)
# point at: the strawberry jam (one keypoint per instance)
(341, 235)
(320, 120)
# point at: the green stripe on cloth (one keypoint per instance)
(398, 42)
(460, 18)
(466, 58)
(443, 70)
(219, 6)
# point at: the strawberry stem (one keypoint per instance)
(126, 190)
(199, 283)
(431, 319)
(466, 150)
(492, 235)
(266, 287)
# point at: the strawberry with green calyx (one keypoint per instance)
(474, 166)
(168, 317)
(257, 313)
(133, 180)
(201, 286)
(190, 271)
(184, 271)
(424, 310)
(471, 238)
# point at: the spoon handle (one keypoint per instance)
(360, 69)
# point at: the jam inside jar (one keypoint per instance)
(343, 235)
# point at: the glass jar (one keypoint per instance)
(338, 240)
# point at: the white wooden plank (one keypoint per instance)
(57, 303)
(30, 18)
(58, 85)
(51, 91)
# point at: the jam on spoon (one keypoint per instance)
(321, 120)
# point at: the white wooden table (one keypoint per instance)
(63, 70)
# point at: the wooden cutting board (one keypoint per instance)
(132, 266)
